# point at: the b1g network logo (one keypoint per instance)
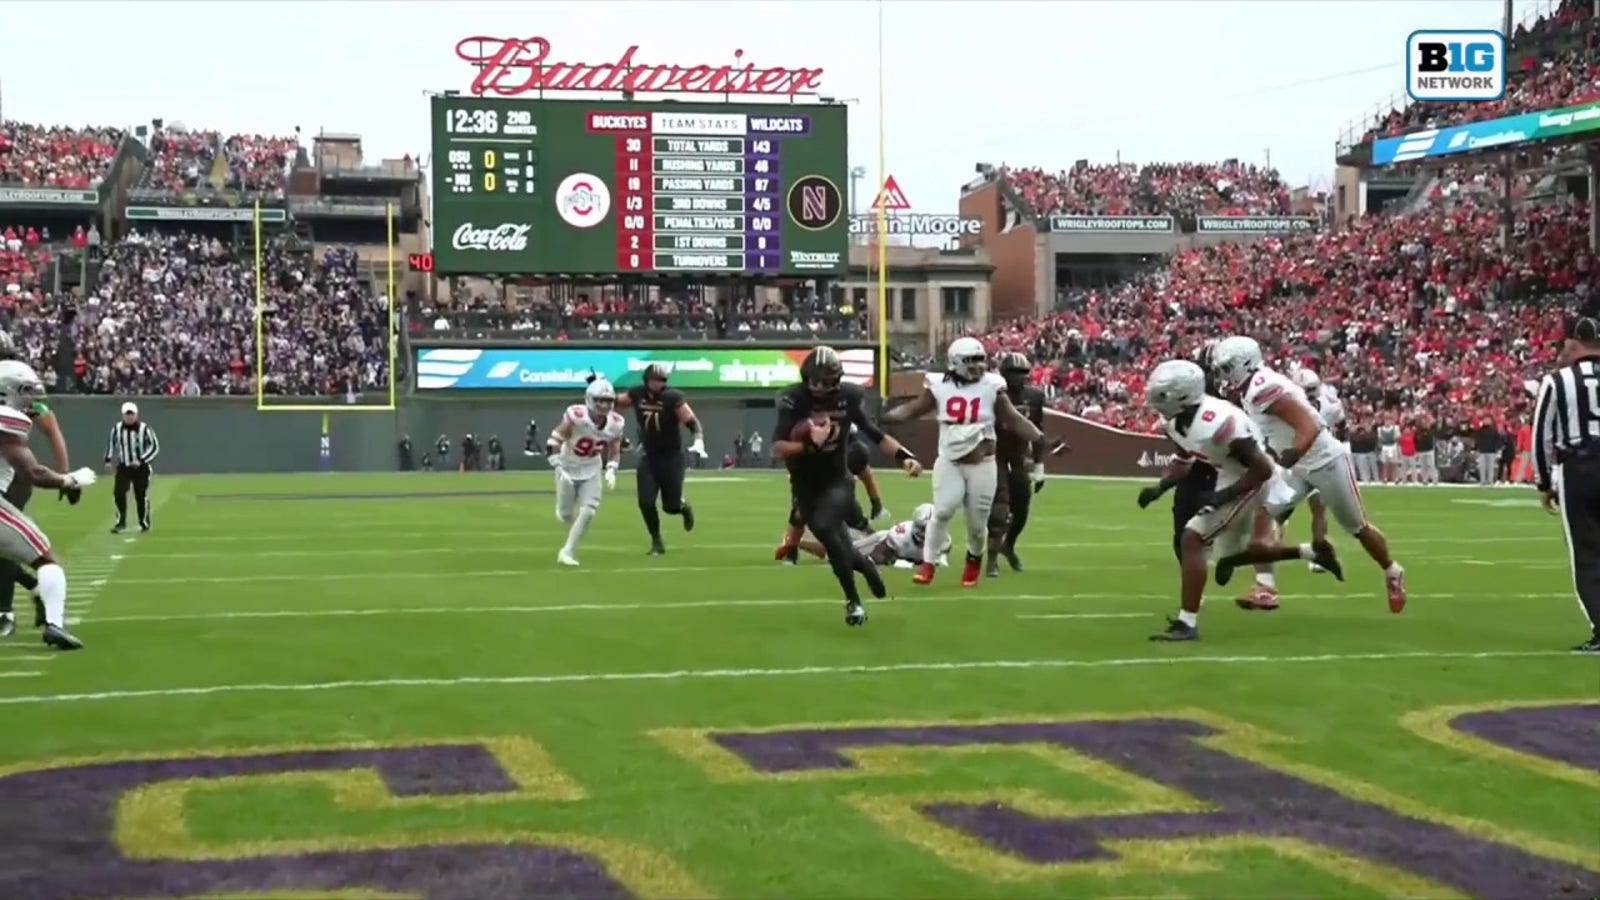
(1456, 65)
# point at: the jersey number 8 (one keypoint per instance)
(586, 446)
(961, 411)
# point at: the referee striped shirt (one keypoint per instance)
(135, 446)
(1566, 418)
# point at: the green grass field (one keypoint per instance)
(305, 687)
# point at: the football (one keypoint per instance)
(802, 430)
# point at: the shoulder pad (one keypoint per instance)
(789, 397)
(577, 411)
(672, 395)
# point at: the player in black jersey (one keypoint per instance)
(1197, 483)
(819, 474)
(659, 410)
(858, 462)
(1020, 466)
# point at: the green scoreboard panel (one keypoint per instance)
(596, 187)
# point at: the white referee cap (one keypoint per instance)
(130, 407)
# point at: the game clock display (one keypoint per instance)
(593, 187)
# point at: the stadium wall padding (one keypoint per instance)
(224, 434)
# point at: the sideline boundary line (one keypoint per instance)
(800, 671)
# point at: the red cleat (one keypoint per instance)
(924, 574)
(1397, 591)
(970, 572)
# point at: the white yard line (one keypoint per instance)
(584, 607)
(20, 674)
(741, 674)
(95, 558)
(1127, 615)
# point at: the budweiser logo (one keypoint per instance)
(508, 67)
(503, 237)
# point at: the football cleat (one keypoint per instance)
(924, 574)
(1260, 598)
(656, 548)
(61, 639)
(786, 552)
(855, 614)
(8, 625)
(566, 559)
(971, 571)
(1396, 583)
(1177, 631)
(1012, 560)
(993, 569)
(688, 517)
(118, 528)
(1592, 645)
(1326, 560)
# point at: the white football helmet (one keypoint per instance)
(966, 358)
(921, 516)
(20, 386)
(1175, 386)
(1235, 359)
(1307, 381)
(601, 397)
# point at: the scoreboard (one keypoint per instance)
(606, 188)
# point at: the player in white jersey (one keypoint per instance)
(1217, 432)
(584, 450)
(898, 546)
(970, 401)
(1315, 460)
(1330, 409)
(21, 540)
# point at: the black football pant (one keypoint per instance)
(857, 518)
(1013, 499)
(826, 512)
(660, 476)
(1578, 486)
(138, 478)
(12, 573)
(1187, 499)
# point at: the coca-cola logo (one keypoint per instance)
(583, 200)
(506, 238)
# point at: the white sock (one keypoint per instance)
(53, 591)
(1267, 580)
(1188, 618)
(580, 525)
(938, 533)
(1306, 552)
(1393, 570)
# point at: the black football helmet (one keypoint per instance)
(823, 371)
(656, 372)
(1015, 368)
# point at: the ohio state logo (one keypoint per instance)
(583, 200)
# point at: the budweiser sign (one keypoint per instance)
(503, 237)
(508, 67)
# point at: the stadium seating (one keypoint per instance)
(1122, 189)
(174, 314)
(198, 160)
(626, 318)
(1416, 310)
(40, 156)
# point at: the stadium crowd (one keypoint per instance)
(188, 160)
(41, 156)
(1412, 312)
(1560, 66)
(175, 314)
(1130, 189)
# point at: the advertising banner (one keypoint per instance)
(1113, 224)
(753, 368)
(1255, 224)
(1520, 129)
(27, 196)
(204, 214)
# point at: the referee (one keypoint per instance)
(1566, 457)
(133, 446)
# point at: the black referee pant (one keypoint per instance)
(137, 477)
(1578, 487)
(1187, 499)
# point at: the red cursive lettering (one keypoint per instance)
(509, 67)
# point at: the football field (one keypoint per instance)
(382, 686)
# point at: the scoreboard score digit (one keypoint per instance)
(593, 187)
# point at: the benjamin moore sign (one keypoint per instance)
(203, 214)
(48, 196)
(1255, 224)
(1113, 224)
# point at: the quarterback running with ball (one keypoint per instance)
(588, 438)
(969, 401)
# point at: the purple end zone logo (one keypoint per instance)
(1248, 801)
(59, 826)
